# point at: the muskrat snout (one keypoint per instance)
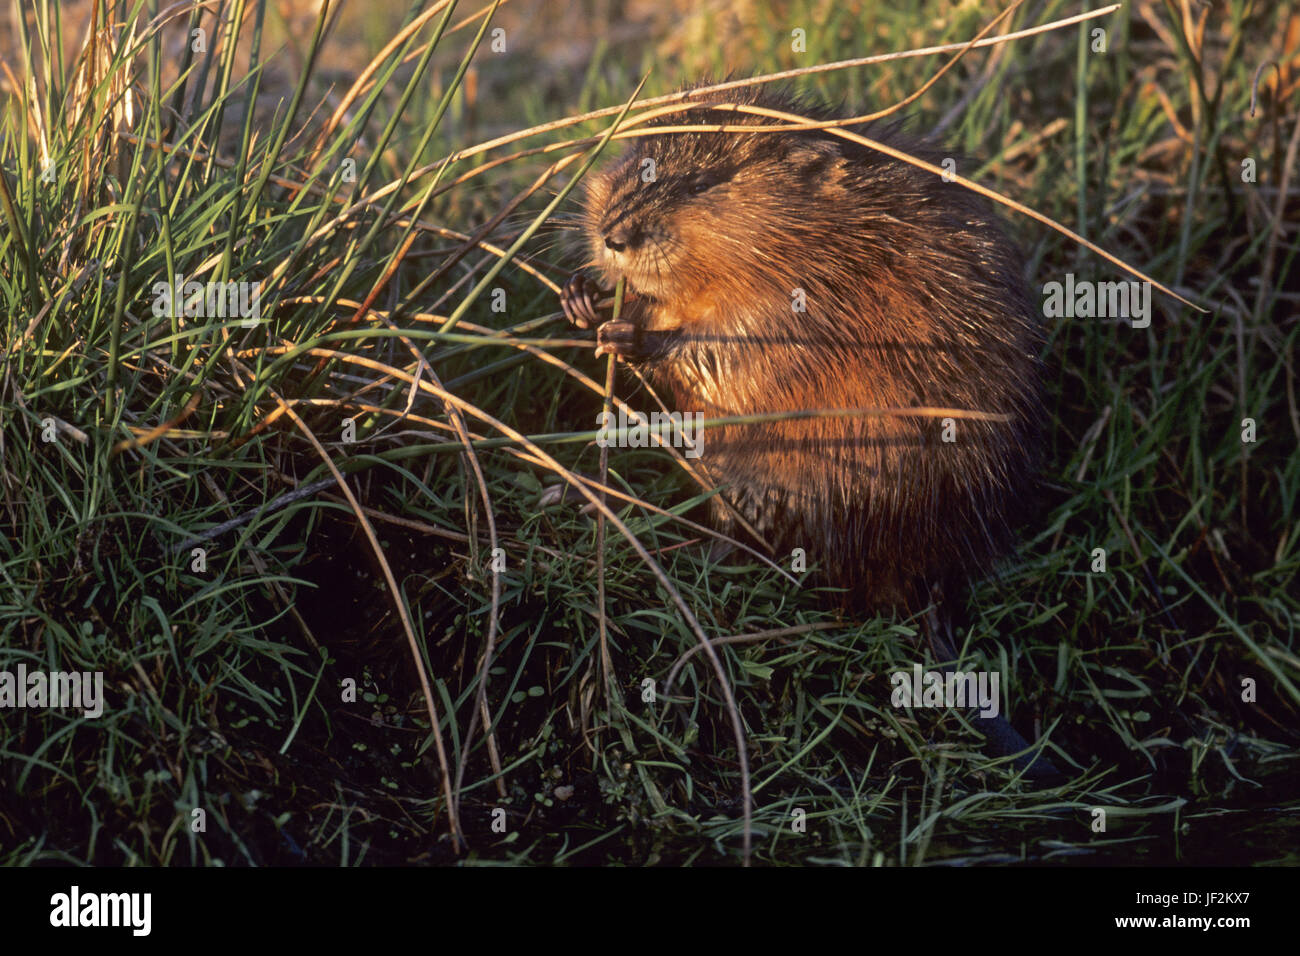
(623, 238)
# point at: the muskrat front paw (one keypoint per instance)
(624, 339)
(578, 299)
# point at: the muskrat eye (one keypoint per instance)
(703, 182)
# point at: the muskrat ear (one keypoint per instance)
(706, 179)
(814, 156)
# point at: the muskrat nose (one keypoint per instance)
(622, 238)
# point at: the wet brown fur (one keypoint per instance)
(914, 297)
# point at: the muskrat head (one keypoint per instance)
(680, 213)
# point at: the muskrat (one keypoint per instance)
(913, 295)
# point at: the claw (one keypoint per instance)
(577, 302)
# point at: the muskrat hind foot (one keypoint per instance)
(578, 300)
